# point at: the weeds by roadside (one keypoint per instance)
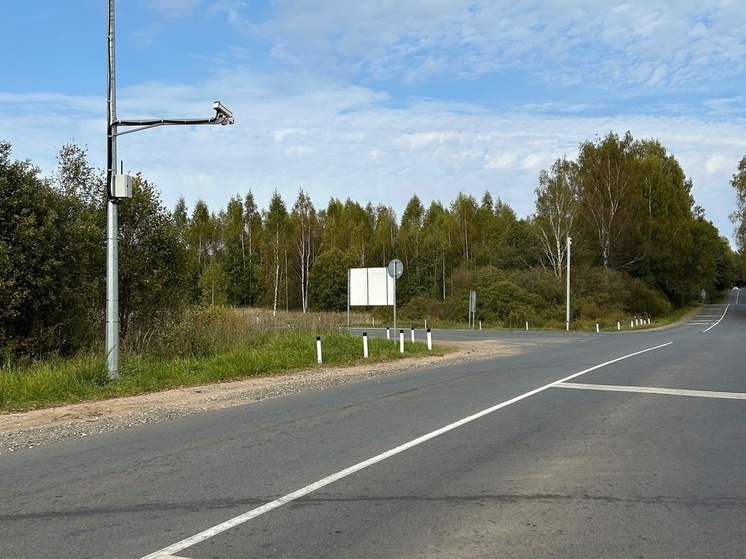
(207, 347)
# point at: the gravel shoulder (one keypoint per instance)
(22, 431)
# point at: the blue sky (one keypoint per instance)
(378, 100)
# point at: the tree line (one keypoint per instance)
(640, 245)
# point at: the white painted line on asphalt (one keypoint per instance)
(651, 390)
(718, 322)
(167, 552)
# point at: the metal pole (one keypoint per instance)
(112, 221)
(394, 278)
(567, 314)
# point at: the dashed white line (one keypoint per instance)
(167, 552)
(651, 390)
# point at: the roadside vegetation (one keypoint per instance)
(207, 346)
(191, 282)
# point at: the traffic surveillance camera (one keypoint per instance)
(224, 114)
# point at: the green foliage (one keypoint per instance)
(239, 270)
(328, 280)
(599, 292)
(626, 203)
(153, 262)
(738, 217)
(49, 251)
(206, 347)
(501, 302)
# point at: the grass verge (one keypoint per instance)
(84, 378)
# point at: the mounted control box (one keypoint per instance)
(123, 186)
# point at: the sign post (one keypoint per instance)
(472, 309)
(395, 270)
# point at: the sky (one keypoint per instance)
(378, 100)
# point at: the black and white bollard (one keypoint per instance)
(318, 349)
(401, 341)
(365, 345)
(429, 340)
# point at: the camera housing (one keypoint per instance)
(224, 114)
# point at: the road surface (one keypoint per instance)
(612, 445)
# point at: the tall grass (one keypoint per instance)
(204, 347)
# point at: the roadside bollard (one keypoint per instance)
(429, 340)
(401, 341)
(318, 349)
(412, 333)
(365, 345)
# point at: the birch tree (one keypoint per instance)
(307, 239)
(608, 192)
(275, 225)
(556, 203)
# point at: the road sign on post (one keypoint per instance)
(395, 270)
(472, 309)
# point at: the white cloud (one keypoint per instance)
(650, 44)
(335, 142)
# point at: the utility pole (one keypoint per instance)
(567, 314)
(120, 187)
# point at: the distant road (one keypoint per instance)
(614, 445)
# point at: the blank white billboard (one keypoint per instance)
(371, 287)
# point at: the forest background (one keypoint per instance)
(640, 247)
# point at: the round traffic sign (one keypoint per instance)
(395, 268)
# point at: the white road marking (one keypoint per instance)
(166, 552)
(718, 322)
(651, 390)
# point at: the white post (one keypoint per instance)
(401, 341)
(480, 324)
(412, 333)
(388, 333)
(429, 340)
(365, 345)
(567, 313)
(618, 325)
(597, 330)
(318, 349)
(527, 326)
(426, 324)
(631, 323)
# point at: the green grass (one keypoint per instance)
(222, 345)
(84, 378)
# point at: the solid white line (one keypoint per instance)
(167, 552)
(718, 322)
(650, 390)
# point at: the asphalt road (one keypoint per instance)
(628, 444)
